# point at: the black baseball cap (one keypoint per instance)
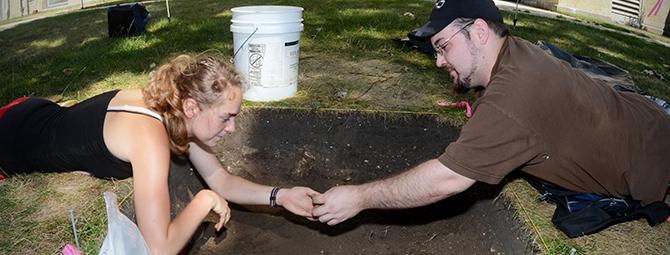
(446, 11)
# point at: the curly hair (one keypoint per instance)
(204, 79)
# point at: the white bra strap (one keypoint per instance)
(134, 109)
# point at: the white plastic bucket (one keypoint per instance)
(266, 41)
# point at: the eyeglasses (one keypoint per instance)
(439, 50)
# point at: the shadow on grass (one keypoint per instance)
(73, 51)
(632, 53)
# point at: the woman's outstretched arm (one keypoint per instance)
(239, 190)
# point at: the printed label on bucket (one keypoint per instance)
(284, 70)
(256, 53)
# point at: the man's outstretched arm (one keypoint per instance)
(427, 183)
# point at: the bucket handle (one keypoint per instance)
(232, 60)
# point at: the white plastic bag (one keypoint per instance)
(123, 236)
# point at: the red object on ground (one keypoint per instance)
(70, 249)
(2, 112)
(462, 104)
(15, 102)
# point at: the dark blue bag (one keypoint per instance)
(583, 213)
(127, 20)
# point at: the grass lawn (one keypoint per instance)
(346, 47)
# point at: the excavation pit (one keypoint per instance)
(323, 149)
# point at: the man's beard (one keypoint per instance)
(462, 86)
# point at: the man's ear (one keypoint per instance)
(481, 31)
(190, 107)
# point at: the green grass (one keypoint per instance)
(15, 213)
(35, 211)
(346, 46)
(21, 212)
(619, 27)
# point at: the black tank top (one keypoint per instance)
(40, 136)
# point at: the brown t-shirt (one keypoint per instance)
(539, 115)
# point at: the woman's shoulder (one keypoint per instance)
(126, 133)
(128, 97)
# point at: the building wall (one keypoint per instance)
(598, 8)
(20, 8)
(15, 8)
(47, 4)
(542, 4)
(656, 21)
(4, 11)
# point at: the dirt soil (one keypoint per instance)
(320, 150)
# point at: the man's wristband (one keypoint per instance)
(273, 196)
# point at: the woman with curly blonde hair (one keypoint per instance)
(189, 105)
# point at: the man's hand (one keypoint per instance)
(297, 200)
(337, 204)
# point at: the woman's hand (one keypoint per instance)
(220, 207)
(297, 200)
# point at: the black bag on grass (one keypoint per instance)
(582, 213)
(127, 20)
(612, 75)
